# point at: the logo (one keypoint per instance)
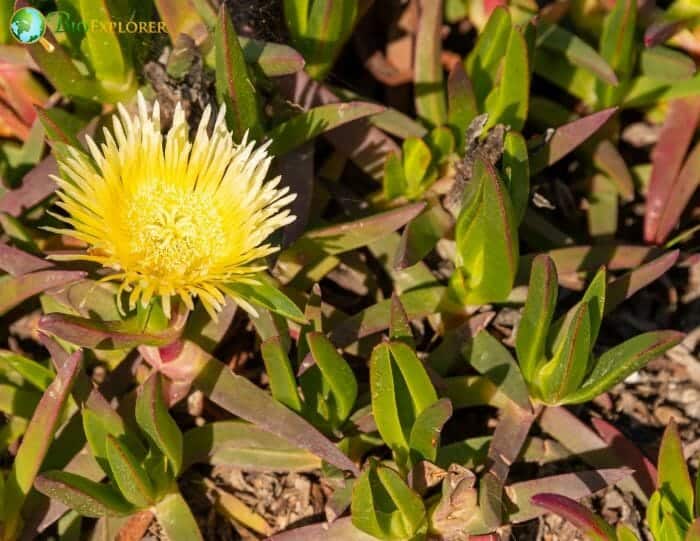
(28, 26)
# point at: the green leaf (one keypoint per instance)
(508, 101)
(461, 103)
(484, 60)
(401, 391)
(625, 533)
(129, 475)
(267, 295)
(336, 373)
(31, 371)
(246, 446)
(38, 437)
(274, 59)
(486, 238)
(399, 326)
(104, 51)
(569, 364)
(330, 23)
(305, 126)
(155, 421)
(234, 86)
(176, 519)
(97, 428)
(531, 338)
(666, 64)
(575, 50)
(283, 384)
(490, 358)
(417, 159)
(385, 507)
(395, 184)
(674, 481)
(516, 173)
(88, 498)
(617, 48)
(424, 438)
(619, 362)
(427, 67)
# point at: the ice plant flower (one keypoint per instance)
(172, 217)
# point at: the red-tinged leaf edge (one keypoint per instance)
(567, 138)
(645, 471)
(583, 518)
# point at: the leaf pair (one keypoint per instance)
(328, 386)
(405, 406)
(140, 477)
(556, 357)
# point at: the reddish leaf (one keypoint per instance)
(591, 525)
(14, 290)
(645, 471)
(17, 262)
(667, 158)
(568, 137)
(36, 186)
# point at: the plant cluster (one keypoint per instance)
(166, 199)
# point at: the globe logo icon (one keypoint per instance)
(27, 25)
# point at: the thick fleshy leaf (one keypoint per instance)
(336, 239)
(628, 284)
(608, 159)
(233, 83)
(424, 438)
(87, 497)
(666, 64)
(243, 398)
(128, 474)
(645, 472)
(486, 57)
(508, 102)
(16, 289)
(427, 67)
(245, 446)
(97, 334)
(674, 480)
(516, 173)
(401, 391)
(490, 358)
(283, 384)
(418, 303)
(590, 524)
(336, 373)
(576, 50)
(17, 262)
(400, 328)
(309, 124)
(268, 295)
(620, 361)
(461, 103)
(155, 421)
(181, 17)
(560, 376)
(567, 138)
(176, 519)
(36, 442)
(110, 64)
(573, 485)
(385, 507)
(31, 371)
(616, 47)
(341, 529)
(486, 237)
(683, 188)
(531, 338)
(667, 158)
(274, 59)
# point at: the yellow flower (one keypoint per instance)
(170, 217)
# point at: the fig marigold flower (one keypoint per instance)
(170, 217)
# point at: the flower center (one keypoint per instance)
(175, 234)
